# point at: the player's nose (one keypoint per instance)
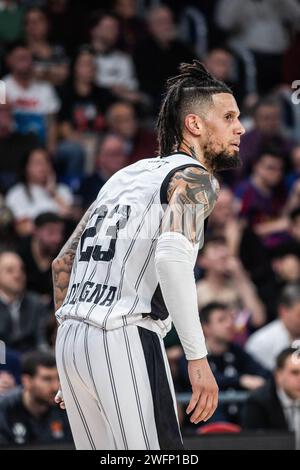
(240, 129)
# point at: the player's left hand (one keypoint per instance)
(59, 400)
(204, 400)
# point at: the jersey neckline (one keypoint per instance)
(188, 155)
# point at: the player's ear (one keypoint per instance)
(193, 124)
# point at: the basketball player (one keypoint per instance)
(127, 272)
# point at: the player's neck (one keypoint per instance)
(195, 151)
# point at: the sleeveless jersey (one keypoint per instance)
(113, 280)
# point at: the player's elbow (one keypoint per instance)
(55, 265)
(173, 247)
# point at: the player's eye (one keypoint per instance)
(229, 117)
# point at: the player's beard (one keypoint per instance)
(221, 159)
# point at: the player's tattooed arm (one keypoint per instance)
(190, 200)
(62, 265)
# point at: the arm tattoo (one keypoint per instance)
(191, 199)
(62, 265)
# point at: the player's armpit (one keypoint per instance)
(191, 198)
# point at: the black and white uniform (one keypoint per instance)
(114, 373)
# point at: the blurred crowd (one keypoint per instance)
(83, 87)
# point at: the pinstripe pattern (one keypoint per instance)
(74, 359)
(90, 311)
(141, 274)
(134, 381)
(89, 366)
(79, 409)
(113, 387)
(127, 254)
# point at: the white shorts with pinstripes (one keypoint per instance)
(117, 388)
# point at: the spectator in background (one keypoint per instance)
(35, 103)
(294, 174)
(294, 197)
(132, 27)
(232, 367)
(68, 23)
(286, 264)
(111, 157)
(13, 146)
(10, 372)
(223, 65)
(267, 132)
(244, 244)
(121, 119)
(81, 116)
(11, 21)
(226, 281)
(276, 405)
(39, 250)
(37, 192)
(267, 343)
(21, 313)
(28, 415)
(8, 235)
(263, 28)
(294, 227)
(158, 57)
(115, 69)
(51, 332)
(49, 60)
(263, 198)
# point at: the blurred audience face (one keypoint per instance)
(291, 318)
(6, 120)
(121, 120)
(112, 155)
(85, 67)
(226, 208)
(36, 25)
(38, 167)
(296, 158)
(215, 258)
(57, 6)
(50, 237)
(126, 9)
(106, 31)
(161, 24)
(20, 62)
(12, 274)
(43, 386)
(268, 119)
(287, 267)
(219, 63)
(269, 169)
(288, 377)
(220, 326)
(295, 228)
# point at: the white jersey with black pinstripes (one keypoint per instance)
(113, 280)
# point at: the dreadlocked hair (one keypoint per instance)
(193, 85)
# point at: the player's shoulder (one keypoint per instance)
(194, 182)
